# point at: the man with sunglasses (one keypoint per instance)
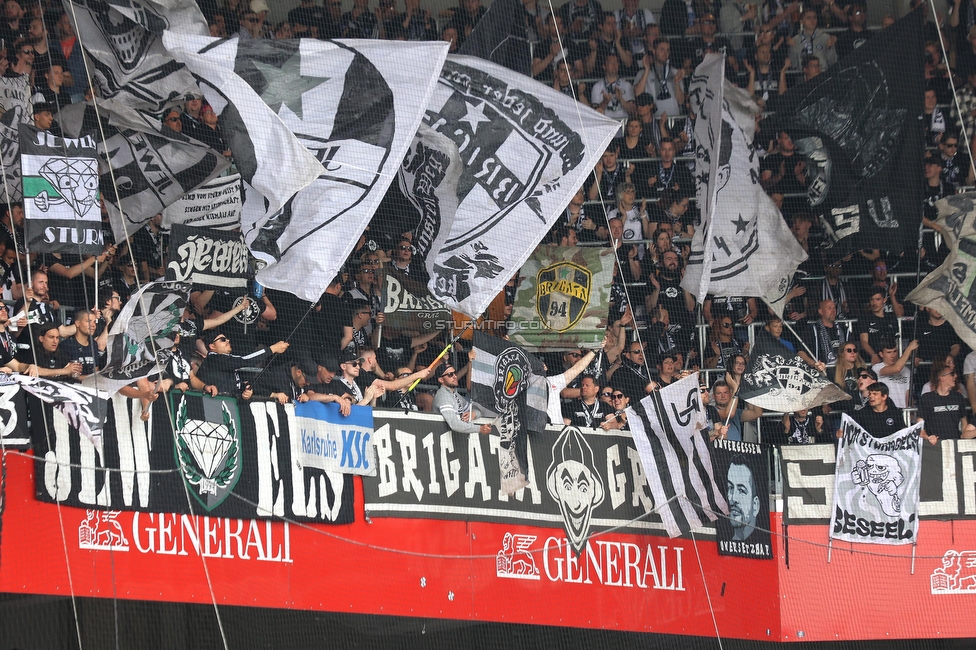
(220, 366)
(16, 81)
(631, 375)
(943, 408)
(456, 410)
(586, 410)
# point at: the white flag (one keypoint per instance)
(526, 149)
(743, 247)
(876, 485)
(671, 435)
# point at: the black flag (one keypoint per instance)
(857, 127)
(500, 37)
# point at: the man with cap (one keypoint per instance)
(44, 118)
(457, 411)
(287, 382)
(220, 366)
(349, 365)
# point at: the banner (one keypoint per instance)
(858, 128)
(876, 485)
(332, 442)
(745, 532)
(777, 379)
(676, 456)
(215, 204)
(61, 207)
(83, 408)
(127, 59)
(582, 482)
(743, 246)
(949, 289)
(409, 306)
(236, 460)
(501, 377)
(563, 299)
(944, 492)
(207, 257)
(526, 150)
(14, 433)
(12, 190)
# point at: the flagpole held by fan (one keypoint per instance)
(439, 357)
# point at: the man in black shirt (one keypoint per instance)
(876, 325)
(632, 377)
(936, 338)
(83, 347)
(586, 410)
(880, 417)
(48, 355)
(220, 367)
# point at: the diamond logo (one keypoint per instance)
(208, 446)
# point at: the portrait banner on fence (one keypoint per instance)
(745, 532)
(215, 204)
(580, 482)
(410, 307)
(563, 298)
(60, 179)
(332, 442)
(236, 460)
(876, 485)
(207, 257)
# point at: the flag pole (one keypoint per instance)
(437, 359)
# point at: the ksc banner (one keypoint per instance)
(235, 460)
(745, 532)
(207, 257)
(563, 299)
(334, 443)
(60, 176)
(579, 481)
(215, 204)
(409, 306)
(876, 485)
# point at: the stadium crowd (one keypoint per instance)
(847, 318)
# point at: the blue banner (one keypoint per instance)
(333, 442)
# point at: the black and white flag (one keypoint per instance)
(779, 380)
(526, 150)
(143, 168)
(671, 435)
(876, 485)
(951, 288)
(61, 207)
(500, 37)
(355, 107)
(743, 247)
(121, 40)
(207, 257)
(215, 204)
(142, 335)
(859, 128)
(11, 191)
(85, 408)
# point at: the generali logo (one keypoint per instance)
(173, 534)
(957, 575)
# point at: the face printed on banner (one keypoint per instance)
(743, 500)
(574, 484)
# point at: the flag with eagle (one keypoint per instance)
(502, 382)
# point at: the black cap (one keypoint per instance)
(40, 107)
(347, 356)
(644, 99)
(934, 159)
(327, 361)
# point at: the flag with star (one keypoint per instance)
(355, 106)
(127, 60)
(526, 149)
(743, 246)
(60, 178)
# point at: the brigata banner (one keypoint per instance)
(333, 442)
(60, 177)
(215, 204)
(745, 531)
(581, 480)
(409, 306)
(876, 485)
(235, 460)
(207, 257)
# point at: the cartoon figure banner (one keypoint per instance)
(60, 180)
(876, 486)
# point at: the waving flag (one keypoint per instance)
(743, 247)
(526, 150)
(85, 408)
(671, 434)
(128, 62)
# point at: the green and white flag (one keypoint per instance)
(60, 181)
(563, 299)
